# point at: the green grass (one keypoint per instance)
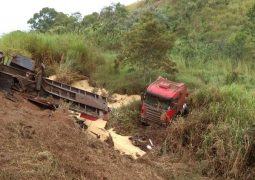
(197, 73)
(215, 129)
(68, 53)
(125, 119)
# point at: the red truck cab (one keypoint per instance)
(163, 100)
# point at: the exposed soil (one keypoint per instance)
(41, 144)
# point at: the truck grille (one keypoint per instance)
(152, 114)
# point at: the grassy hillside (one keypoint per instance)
(206, 29)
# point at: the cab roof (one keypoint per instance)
(165, 88)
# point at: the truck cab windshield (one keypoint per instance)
(157, 102)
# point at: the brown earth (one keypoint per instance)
(41, 144)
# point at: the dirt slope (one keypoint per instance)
(40, 144)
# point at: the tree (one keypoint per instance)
(65, 23)
(106, 27)
(44, 20)
(49, 20)
(146, 45)
(112, 24)
(91, 21)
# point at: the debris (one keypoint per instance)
(109, 141)
(42, 102)
(142, 142)
(97, 135)
(125, 146)
(120, 143)
(151, 142)
(149, 147)
(81, 123)
(97, 128)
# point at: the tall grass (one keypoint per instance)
(66, 52)
(215, 130)
(222, 106)
(198, 73)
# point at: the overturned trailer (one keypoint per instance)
(22, 75)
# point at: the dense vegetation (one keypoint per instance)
(208, 44)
